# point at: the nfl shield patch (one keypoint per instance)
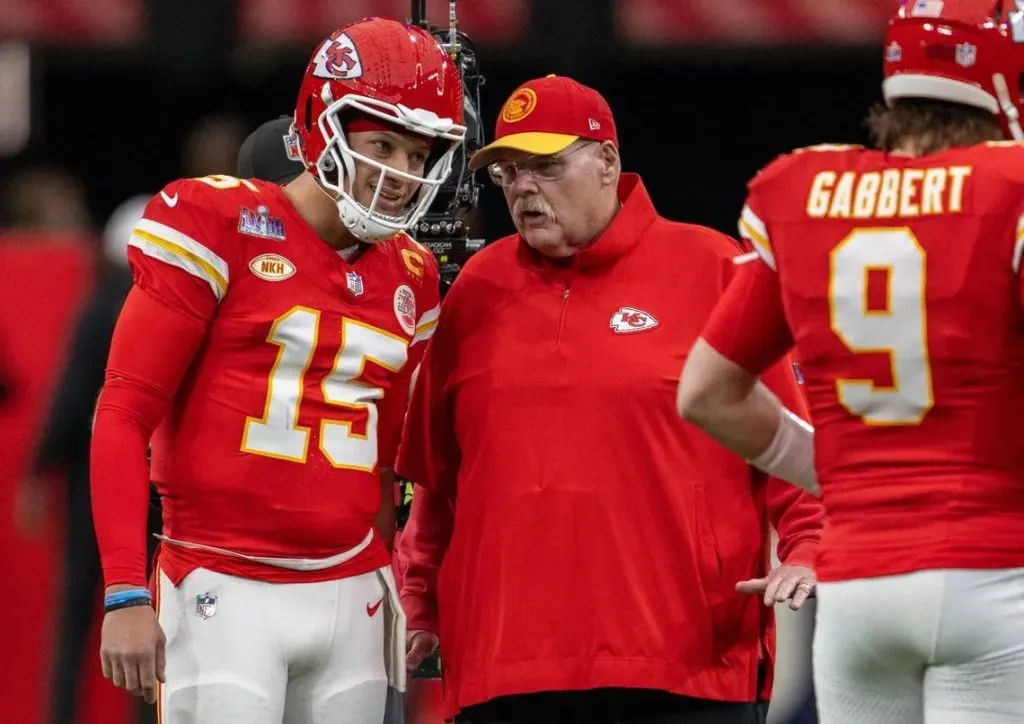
(291, 146)
(966, 55)
(927, 8)
(206, 605)
(354, 283)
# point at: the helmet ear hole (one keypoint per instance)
(330, 169)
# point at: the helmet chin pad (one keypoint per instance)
(362, 223)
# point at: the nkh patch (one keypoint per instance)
(271, 267)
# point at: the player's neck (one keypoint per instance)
(319, 211)
(915, 147)
(907, 149)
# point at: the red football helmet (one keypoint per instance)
(962, 51)
(390, 72)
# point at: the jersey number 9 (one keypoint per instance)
(900, 330)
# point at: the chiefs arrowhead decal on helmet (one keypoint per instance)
(338, 59)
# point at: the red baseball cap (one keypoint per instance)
(546, 115)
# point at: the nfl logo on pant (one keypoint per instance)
(206, 605)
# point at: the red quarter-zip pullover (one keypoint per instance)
(589, 537)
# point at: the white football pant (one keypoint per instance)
(241, 651)
(938, 647)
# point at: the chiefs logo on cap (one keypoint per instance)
(519, 106)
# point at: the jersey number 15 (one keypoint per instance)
(278, 433)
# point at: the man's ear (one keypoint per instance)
(611, 163)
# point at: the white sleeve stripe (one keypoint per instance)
(1018, 249)
(429, 316)
(175, 256)
(754, 221)
(746, 258)
(424, 335)
(761, 245)
(186, 242)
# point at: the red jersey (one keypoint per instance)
(898, 279)
(572, 531)
(294, 396)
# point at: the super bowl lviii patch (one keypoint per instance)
(260, 223)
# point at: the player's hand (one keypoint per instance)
(132, 649)
(794, 584)
(419, 644)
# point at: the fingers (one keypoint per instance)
(161, 659)
(421, 645)
(786, 583)
(147, 677)
(117, 673)
(132, 651)
(752, 587)
(803, 592)
(771, 590)
(130, 666)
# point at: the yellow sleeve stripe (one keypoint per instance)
(190, 257)
(424, 332)
(429, 317)
(752, 228)
(1018, 249)
(426, 326)
(753, 222)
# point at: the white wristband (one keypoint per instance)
(790, 455)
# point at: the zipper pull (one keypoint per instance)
(565, 294)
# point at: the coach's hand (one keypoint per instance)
(786, 583)
(132, 649)
(419, 644)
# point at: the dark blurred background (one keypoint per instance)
(104, 100)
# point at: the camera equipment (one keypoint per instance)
(444, 229)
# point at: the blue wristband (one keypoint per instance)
(135, 594)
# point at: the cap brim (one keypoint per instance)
(542, 144)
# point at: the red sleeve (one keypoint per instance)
(795, 515)
(392, 415)
(429, 454)
(421, 550)
(178, 252)
(151, 349)
(748, 324)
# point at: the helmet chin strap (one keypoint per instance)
(1008, 107)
